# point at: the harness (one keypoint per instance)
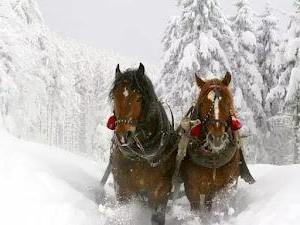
(197, 148)
(152, 149)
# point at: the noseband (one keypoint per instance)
(125, 120)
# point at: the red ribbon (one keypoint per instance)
(196, 130)
(235, 123)
(111, 123)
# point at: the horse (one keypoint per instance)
(143, 149)
(214, 160)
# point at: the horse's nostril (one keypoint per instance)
(210, 137)
(224, 137)
(129, 134)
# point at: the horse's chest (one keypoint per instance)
(138, 173)
(205, 179)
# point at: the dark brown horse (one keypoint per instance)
(144, 145)
(213, 157)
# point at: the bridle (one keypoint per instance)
(199, 149)
(152, 147)
(205, 120)
(126, 120)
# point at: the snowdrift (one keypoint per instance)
(43, 185)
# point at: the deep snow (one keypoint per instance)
(42, 185)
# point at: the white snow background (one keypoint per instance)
(43, 185)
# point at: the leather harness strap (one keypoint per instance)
(154, 150)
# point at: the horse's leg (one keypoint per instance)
(159, 215)
(123, 198)
(123, 194)
(158, 200)
(204, 202)
(208, 202)
(195, 206)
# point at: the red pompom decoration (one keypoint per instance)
(111, 123)
(235, 123)
(196, 130)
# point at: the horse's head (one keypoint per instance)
(129, 101)
(215, 108)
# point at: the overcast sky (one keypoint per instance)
(128, 27)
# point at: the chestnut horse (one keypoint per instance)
(144, 147)
(214, 157)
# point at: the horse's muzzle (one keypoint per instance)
(217, 142)
(125, 138)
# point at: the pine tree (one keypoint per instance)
(250, 79)
(297, 5)
(292, 99)
(287, 60)
(268, 44)
(195, 41)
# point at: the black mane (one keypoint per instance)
(139, 82)
(154, 128)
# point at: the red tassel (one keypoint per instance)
(111, 123)
(196, 130)
(235, 123)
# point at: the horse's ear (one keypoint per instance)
(118, 71)
(199, 81)
(226, 80)
(141, 69)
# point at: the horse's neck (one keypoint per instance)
(154, 121)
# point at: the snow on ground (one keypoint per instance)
(43, 185)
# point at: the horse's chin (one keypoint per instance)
(126, 143)
(217, 149)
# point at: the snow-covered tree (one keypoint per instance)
(250, 80)
(268, 43)
(53, 90)
(292, 98)
(196, 41)
(283, 98)
(292, 101)
(287, 59)
(297, 5)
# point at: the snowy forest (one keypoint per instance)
(54, 105)
(54, 90)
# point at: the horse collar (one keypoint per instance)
(151, 149)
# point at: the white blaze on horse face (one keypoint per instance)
(212, 97)
(125, 92)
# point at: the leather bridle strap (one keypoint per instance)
(126, 121)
